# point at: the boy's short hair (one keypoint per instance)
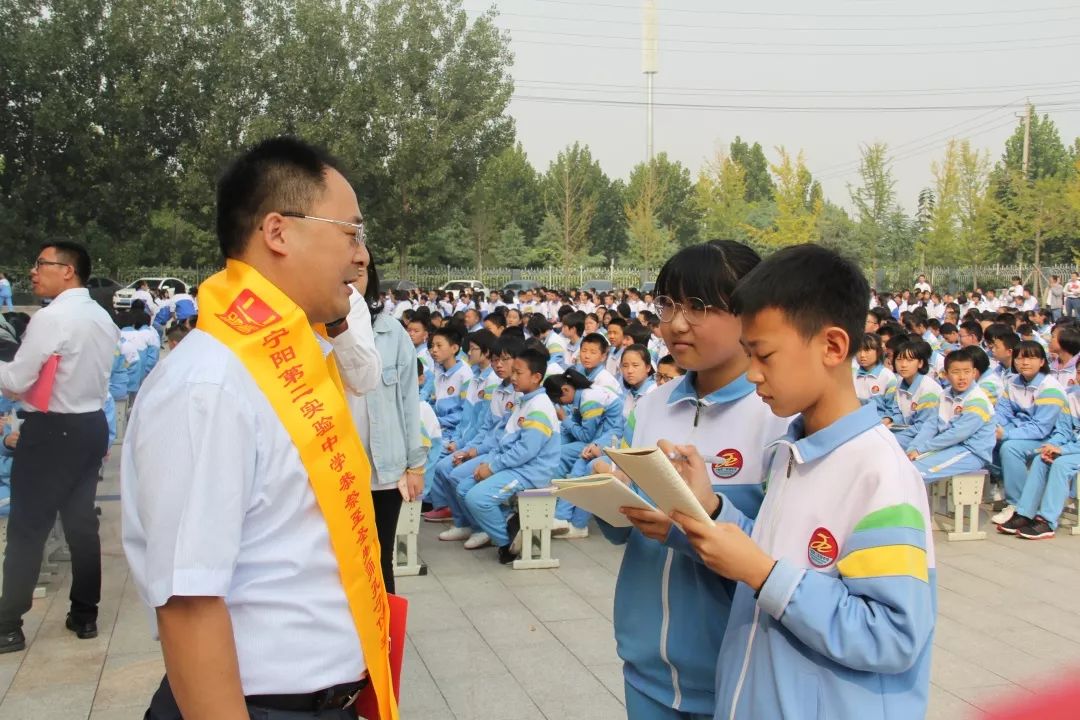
(497, 319)
(639, 333)
(978, 356)
(1025, 329)
(813, 287)
(619, 321)
(575, 320)
(536, 344)
(934, 324)
(508, 344)
(535, 360)
(483, 339)
(948, 328)
(1068, 339)
(972, 327)
(448, 332)
(537, 325)
(1002, 332)
(422, 320)
(964, 355)
(515, 331)
(667, 360)
(596, 339)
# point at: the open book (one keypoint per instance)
(649, 468)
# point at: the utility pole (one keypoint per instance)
(649, 45)
(1027, 138)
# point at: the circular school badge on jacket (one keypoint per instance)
(733, 462)
(875, 389)
(509, 404)
(822, 550)
(521, 421)
(450, 390)
(958, 410)
(914, 405)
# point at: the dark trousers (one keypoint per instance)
(387, 506)
(55, 470)
(163, 707)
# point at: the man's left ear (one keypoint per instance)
(835, 346)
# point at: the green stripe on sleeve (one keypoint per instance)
(902, 515)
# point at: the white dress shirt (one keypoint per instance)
(216, 502)
(77, 329)
(354, 349)
(148, 300)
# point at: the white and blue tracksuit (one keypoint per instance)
(1048, 486)
(600, 377)
(451, 389)
(992, 383)
(961, 440)
(877, 386)
(670, 611)
(555, 347)
(1065, 373)
(1028, 413)
(118, 376)
(501, 402)
(133, 345)
(477, 400)
(427, 392)
(431, 440)
(525, 455)
(917, 404)
(598, 420)
(843, 626)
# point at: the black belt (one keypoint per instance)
(338, 697)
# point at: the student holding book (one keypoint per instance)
(670, 611)
(834, 607)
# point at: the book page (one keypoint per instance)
(650, 469)
(602, 497)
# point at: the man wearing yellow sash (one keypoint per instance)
(247, 515)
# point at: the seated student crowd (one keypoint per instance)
(1008, 404)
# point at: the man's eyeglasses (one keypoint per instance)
(40, 263)
(358, 228)
(695, 310)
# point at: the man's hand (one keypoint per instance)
(913, 454)
(1049, 453)
(691, 466)
(590, 451)
(411, 485)
(653, 524)
(727, 550)
(12, 440)
(887, 422)
(483, 472)
(451, 446)
(560, 412)
(999, 433)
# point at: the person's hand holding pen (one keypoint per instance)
(691, 467)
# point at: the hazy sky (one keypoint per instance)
(818, 76)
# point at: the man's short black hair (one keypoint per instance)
(596, 339)
(497, 319)
(450, 333)
(1003, 332)
(535, 360)
(74, 254)
(508, 344)
(483, 339)
(619, 321)
(972, 327)
(277, 175)
(537, 325)
(812, 286)
(639, 333)
(576, 320)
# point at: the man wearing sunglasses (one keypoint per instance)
(68, 347)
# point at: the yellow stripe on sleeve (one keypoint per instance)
(533, 425)
(884, 561)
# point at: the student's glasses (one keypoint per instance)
(695, 310)
(358, 228)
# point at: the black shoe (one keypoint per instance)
(425, 506)
(513, 531)
(13, 641)
(1039, 529)
(1014, 524)
(505, 556)
(82, 630)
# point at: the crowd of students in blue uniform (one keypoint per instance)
(818, 597)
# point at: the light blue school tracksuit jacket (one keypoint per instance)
(843, 626)
(916, 405)
(670, 610)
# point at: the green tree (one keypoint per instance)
(720, 197)
(571, 193)
(677, 212)
(875, 200)
(650, 242)
(759, 184)
(1047, 154)
(508, 189)
(797, 208)
(511, 248)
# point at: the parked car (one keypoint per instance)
(123, 297)
(649, 287)
(600, 286)
(391, 285)
(520, 285)
(102, 290)
(454, 287)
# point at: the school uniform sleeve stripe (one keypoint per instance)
(1051, 400)
(1051, 392)
(884, 561)
(930, 403)
(881, 537)
(534, 425)
(901, 515)
(980, 408)
(539, 416)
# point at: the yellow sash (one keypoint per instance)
(275, 342)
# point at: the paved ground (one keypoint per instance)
(491, 643)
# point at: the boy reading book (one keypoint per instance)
(834, 608)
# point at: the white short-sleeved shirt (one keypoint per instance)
(216, 502)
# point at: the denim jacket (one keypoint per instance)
(393, 406)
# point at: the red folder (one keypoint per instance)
(1052, 702)
(366, 705)
(41, 391)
